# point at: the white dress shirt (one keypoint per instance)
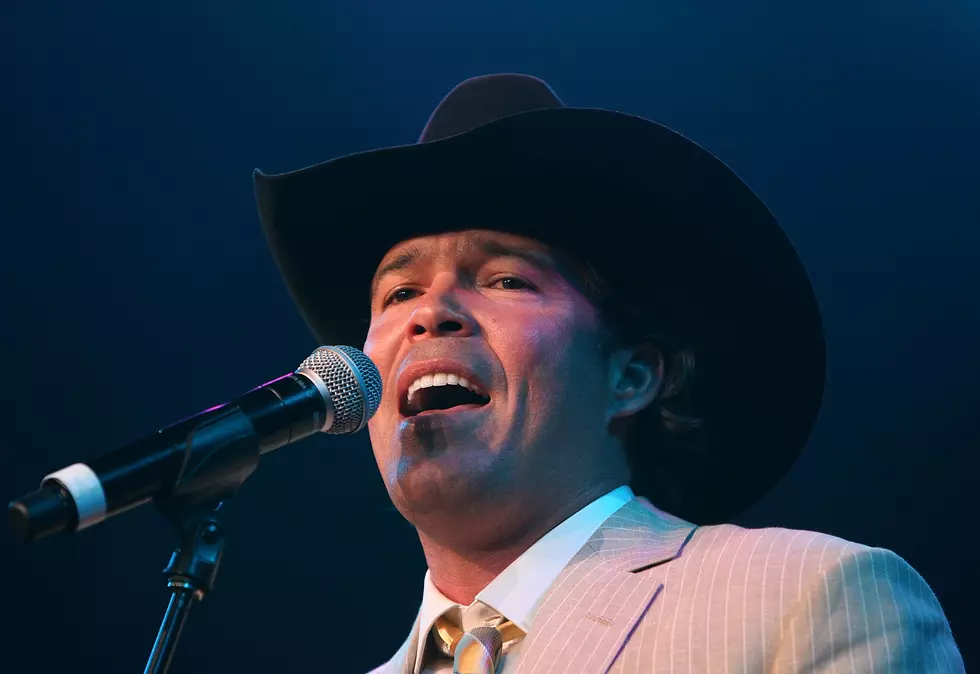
(517, 593)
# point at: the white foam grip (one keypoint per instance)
(86, 491)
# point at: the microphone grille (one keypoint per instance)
(353, 382)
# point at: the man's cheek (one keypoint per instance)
(379, 443)
(380, 348)
(382, 332)
(372, 346)
(546, 347)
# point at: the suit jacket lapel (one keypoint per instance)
(594, 605)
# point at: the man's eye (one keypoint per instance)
(400, 295)
(511, 283)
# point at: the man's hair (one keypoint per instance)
(665, 450)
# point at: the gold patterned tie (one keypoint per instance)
(478, 650)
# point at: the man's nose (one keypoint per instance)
(438, 313)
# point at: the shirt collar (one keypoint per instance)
(518, 591)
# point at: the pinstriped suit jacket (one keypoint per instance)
(650, 593)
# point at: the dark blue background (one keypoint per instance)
(135, 287)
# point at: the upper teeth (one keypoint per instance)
(441, 379)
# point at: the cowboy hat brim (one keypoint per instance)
(670, 227)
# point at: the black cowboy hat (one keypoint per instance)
(673, 231)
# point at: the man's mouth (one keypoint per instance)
(442, 392)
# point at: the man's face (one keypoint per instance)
(492, 311)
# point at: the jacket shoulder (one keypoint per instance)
(806, 552)
(771, 566)
(795, 553)
(816, 598)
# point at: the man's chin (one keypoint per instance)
(445, 479)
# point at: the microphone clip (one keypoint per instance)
(216, 463)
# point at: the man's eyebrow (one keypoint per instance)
(540, 259)
(403, 260)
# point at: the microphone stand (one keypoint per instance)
(213, 468)
(190, 577)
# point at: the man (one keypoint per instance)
(574, 311)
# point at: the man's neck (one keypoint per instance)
(461, 571)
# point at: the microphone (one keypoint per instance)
(336, 390)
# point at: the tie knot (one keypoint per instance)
(449, 635)
(478, 651)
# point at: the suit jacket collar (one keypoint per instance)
(593, 606)
(639, 536)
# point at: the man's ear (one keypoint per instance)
(636, 379)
